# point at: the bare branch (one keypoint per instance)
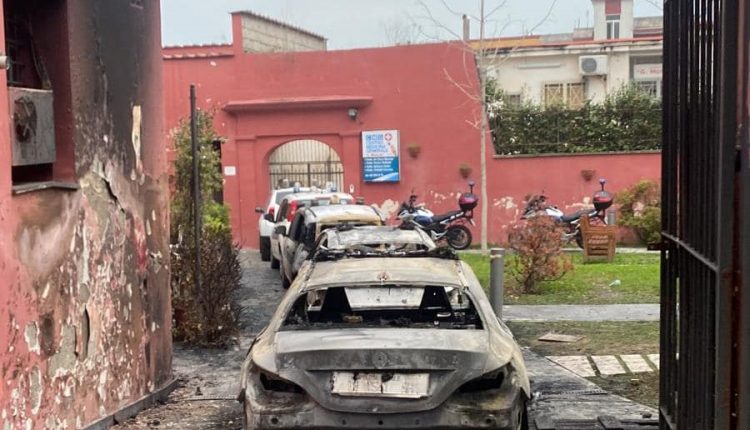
(656, 4)
(495, 9)
(544, 18)
(429, 16)
(464, 88)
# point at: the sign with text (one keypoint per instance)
(380, 156)
(647, 71)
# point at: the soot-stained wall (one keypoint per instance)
(85, 317)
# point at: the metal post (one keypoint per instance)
(197, 218)
(497, 280)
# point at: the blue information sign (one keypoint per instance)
(380, 156)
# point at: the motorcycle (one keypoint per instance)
(449, 226)
(537, 206)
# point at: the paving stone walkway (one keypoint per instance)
(608, 365)
(541, 313)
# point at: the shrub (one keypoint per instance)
(208, 316)
(627, 120)
(640, 210)
(538, 246)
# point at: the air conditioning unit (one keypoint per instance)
(593, 65)
(32, 126)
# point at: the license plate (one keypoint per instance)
(396, 385)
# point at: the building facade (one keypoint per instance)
(587, 64)
(269, 106)
(85, 316)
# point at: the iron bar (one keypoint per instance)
(702, 305)
(197, 217)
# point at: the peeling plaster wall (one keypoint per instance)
(85, 317)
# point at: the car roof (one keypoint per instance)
(342, 212)
(340, 238)
(316, 195)
(400, 271)
(291, 189)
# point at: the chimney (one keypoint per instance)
(467, 28)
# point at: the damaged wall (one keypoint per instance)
(85, 317)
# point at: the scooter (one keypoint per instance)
(449, 226)
(538, 206)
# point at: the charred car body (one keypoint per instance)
(382, 342)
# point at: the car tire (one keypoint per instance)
(523, 422)
(265, 248)
(274, 263)
(284, 281)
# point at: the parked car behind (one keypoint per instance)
(268, 217)
(299, 239)
(385, 343)
(369, 240)
(288, 208)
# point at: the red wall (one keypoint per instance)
(422, 90)
(85, 316)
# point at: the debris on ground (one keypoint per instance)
(555, 337)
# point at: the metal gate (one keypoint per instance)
(704, 303)
(307, 162)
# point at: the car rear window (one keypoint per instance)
(388, 306)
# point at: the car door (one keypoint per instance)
(305, 245)
(296, 229)
(277, 240)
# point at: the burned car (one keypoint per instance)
(370, 240)
(376, 342)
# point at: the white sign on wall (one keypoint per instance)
(380, 156)
(650, 72)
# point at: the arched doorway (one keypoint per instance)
(309, 162)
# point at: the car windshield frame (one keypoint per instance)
(356, 320)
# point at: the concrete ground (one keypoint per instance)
(206, 400)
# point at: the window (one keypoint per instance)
(613, 26)
(652, 88)
(389, 306)
(39, 91)
(512, 100)
(571, 95)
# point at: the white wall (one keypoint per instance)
(526, 71)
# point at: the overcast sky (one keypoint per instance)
(365, 23)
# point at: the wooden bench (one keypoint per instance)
(598, 241)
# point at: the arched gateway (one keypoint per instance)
(309, 162)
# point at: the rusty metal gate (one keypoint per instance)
(308, 162)
(705, 298)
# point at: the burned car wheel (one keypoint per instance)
(265, 248)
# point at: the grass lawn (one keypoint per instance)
(601, 338)
(586, 283)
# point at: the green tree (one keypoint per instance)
(209, 315)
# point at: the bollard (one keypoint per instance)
(497, 280)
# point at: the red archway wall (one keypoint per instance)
(264, 100)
